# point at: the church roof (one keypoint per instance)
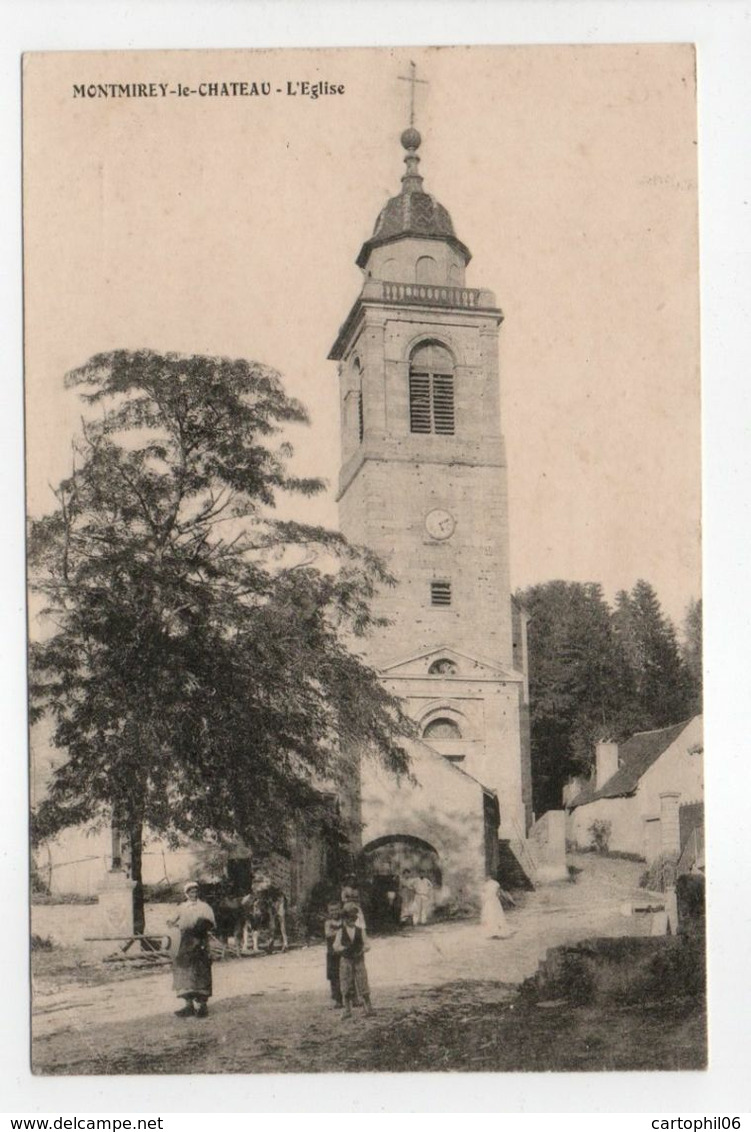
(452, 767)
(636, 756)
(412, 212)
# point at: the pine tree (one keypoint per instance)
(661, 683)
(692, 651)
(596, 673)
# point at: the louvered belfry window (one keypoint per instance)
(431, 390)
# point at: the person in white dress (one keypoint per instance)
(492, 916)
(423, 899)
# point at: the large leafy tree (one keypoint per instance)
(198, 659)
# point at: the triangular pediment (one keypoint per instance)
(444, 662)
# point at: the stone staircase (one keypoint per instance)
(515, 866)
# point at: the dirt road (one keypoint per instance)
(432, 987)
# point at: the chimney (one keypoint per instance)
(606, 762)
(572, 789)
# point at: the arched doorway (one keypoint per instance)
(384, 862)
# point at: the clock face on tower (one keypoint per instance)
(440, 524)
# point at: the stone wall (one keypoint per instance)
(443, 808)
(547, 847)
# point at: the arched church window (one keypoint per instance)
(426, 269)
(442, 667)
(431, 390)
(442, 729)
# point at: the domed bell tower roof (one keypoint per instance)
(413, 212)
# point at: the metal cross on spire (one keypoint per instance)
(412, 79)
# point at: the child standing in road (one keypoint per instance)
(331, 927)
(350, 944)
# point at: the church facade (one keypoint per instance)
(423, 484)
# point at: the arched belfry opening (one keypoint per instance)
(431, 389)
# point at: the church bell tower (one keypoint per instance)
(423, 484)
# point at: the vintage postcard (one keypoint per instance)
(363, 465)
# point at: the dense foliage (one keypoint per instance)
(198, 661)
(598, 672)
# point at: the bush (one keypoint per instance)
(600, 832)
(624, 970)
(62, 898)
(39, 885)
(41, 943)
(679, 970)
(164, 893)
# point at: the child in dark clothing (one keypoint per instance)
(350, 944)
(331, 928)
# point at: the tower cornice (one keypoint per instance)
(417, 297)
(491, 453)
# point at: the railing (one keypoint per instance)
(431, 294)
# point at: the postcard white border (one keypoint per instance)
(722, 31)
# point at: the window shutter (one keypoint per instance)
(419, 402)
(443, 404)
(431, 391)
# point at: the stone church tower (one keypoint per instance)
(423, 483)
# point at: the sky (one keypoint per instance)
(230, 226)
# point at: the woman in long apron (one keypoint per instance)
(191, 967)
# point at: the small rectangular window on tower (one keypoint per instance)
(440, 593)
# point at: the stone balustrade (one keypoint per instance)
(432, 294)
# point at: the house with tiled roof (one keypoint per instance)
(639, 787)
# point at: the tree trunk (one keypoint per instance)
(135, 839)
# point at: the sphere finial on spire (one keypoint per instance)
(411, 138)
(411, 181)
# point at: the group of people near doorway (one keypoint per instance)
(345, 934)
